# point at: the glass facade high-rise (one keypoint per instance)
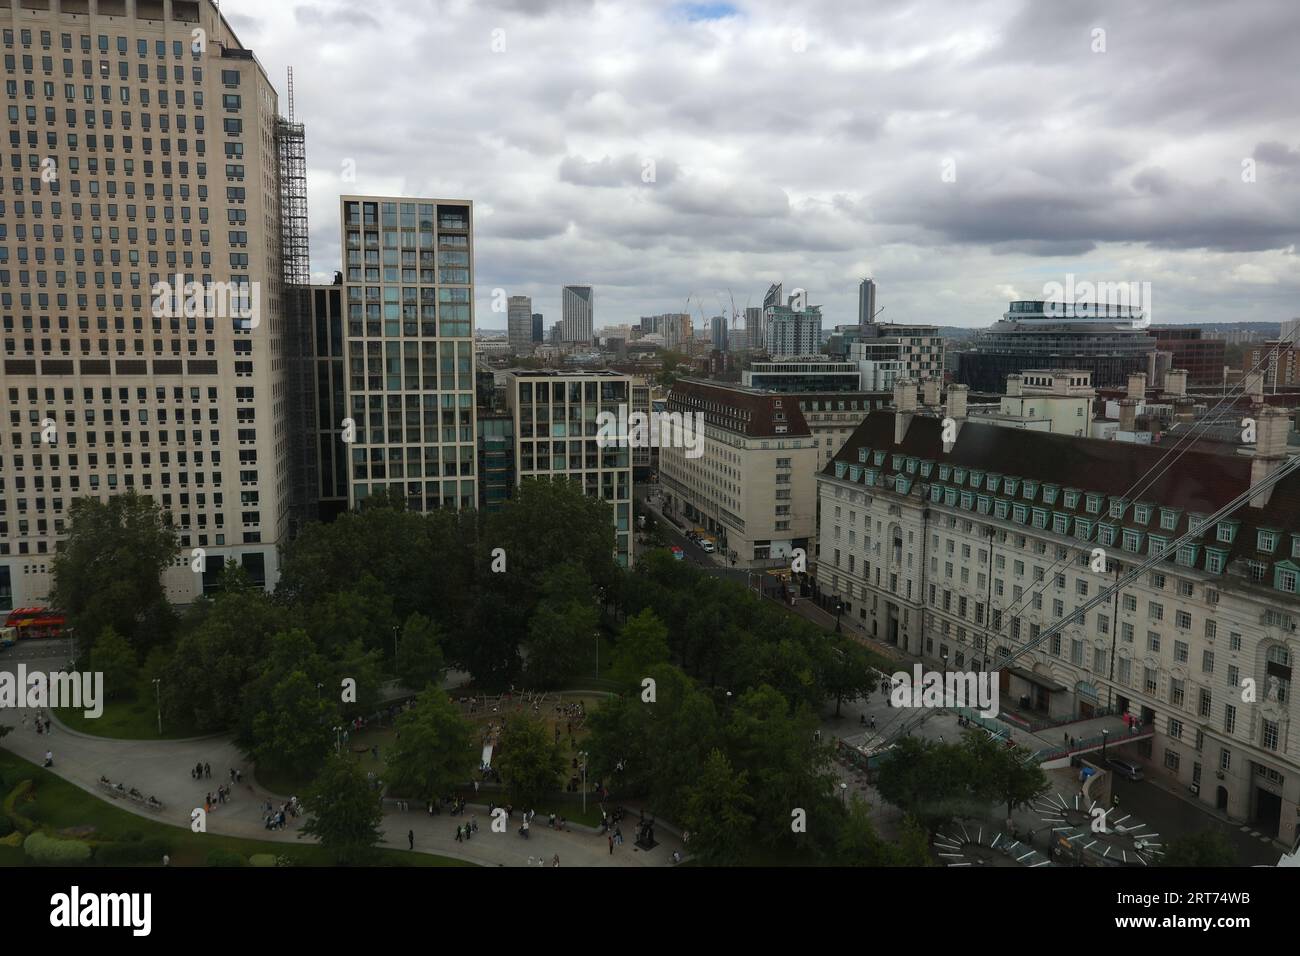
(577, 313)
(409, 294)
(519, 324)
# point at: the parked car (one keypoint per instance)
(707, 546)
(1124, 768)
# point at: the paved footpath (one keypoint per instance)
(162, 769)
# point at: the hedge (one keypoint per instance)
(48, 851)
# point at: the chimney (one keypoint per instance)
(1128, 410)
(904, 407)
(1272, 428)
(1176, 383)
(1015, 385)
(958, 395)
(1253, 384)
(931, 388)
(1137, 386)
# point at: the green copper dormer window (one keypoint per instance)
(896, 463)
(1021, 514)
(903, 485)
(878, 458)
(959, 476)
(945, 472)
(1133, 541)
(1083, 529)
(1216, 560)
(1187, 555)
(1117, 507)
(1285, 576)
(1002, 508)
(983, 504)
(1227, 532)
(863, 454)
(1060, 523)
(911, 466)
(871, 476)
(1106, 534)
(1049, 494)
(1295, 545)
(1196, 523)
(936, 493)
(1040, 518)
(1071, 499)
(992, 483)
(841, 468)
(855, 474)
(1141, 513)
(1030, 490)
(976, 479)
(1169, 519)
(1158, 545)
(1011, 486)
(1094, 504)
(967, 500)
(927, 469)
(1266, 540)
(950, 497)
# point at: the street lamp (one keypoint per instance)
(1104, 734)
(394, 645)
(844, 792)
(583, 754)
(596, 635)
(338, 740)
(157, 693)
(839, 611)
(319, 685)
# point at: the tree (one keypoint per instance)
(343, 812)
(932, 782)
(435, 748)
(530, 763)
(857, 843)
(113, 657)
(1009, 775)
(642, 644)
(419, 653)
(109, 571)
(717, 813)
(845, 670)
(296, 732)
(1207, 848)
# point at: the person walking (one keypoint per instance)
(611, 844)
(410, 838)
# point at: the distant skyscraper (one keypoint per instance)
(519, 322)
(718, 332)
(539, 336)
(578, 313)
(754, 327)
(866, 302)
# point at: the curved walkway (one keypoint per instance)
(162, 769)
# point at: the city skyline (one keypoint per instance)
(1140, 179)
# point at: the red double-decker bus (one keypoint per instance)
(36, 623)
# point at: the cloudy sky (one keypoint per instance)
(961, 152)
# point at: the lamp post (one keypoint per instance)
(338, 740)
(844, 792)
(394, 646)
(319, 685)
(1104, 734)
(839, 612)
(583, 755)
(596, 636)
(157, 693)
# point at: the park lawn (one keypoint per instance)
(133, 717)
(61, 805)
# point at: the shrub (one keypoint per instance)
(225, 858)
(262, 859)
(6, 826)
(20, 794)
(131, 852)
(48, 851)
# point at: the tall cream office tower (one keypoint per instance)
(408, 295)
(142, 144)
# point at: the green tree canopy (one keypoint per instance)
(109, 571)
(529, 761)
(718, 812)
(112, 656)
(419, 653)
(1207, 848)
(343, 812)
(435, 750)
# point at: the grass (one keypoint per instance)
(61, 806)
(288, 784)
(131, 717)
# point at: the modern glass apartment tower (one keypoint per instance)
(408, 291)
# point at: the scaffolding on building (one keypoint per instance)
(295, 299)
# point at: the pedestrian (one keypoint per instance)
(873, 721)
(207, 770)
(460, 834)
(611, 844)
(410, 838)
